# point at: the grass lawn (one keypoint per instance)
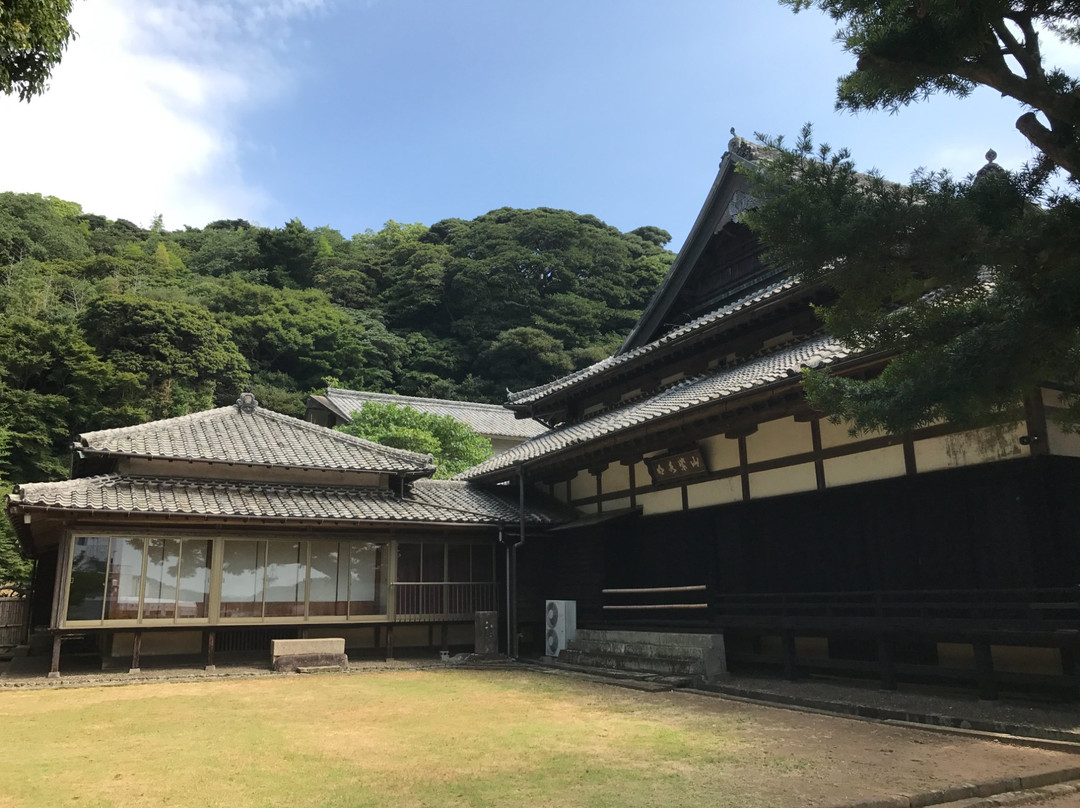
(444, 737)
(410, 738)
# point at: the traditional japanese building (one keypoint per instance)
(492, 421)
(712, 498)
(222, 530)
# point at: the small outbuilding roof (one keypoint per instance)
(486, 419)
(247, 434)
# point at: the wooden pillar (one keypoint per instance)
(744, 474)
(211, 638)
(376, 640)
(819, 464)
(390, 642)
(791, 672)
(136, 651)
(445, 638)
(984, 670)
(886, 661)
(54, 671)
(1069, 666)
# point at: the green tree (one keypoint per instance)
(179, 359)
(909, 50)
(33, 37)
(972, 287)
(454, 446)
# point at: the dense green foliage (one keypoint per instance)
(909, 50)
(452, 444)
(972, 286)
(33, 37)
(104, 323)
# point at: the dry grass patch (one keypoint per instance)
(408, 738)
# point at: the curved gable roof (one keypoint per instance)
(255, 436)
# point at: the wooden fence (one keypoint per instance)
(14, 617)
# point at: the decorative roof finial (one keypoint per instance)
(991, 156)
(247, 402)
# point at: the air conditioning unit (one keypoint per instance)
(560, 625)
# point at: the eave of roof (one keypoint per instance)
(433, 502)
(781, 366)
(672, 339)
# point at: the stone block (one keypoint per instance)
(320, 652)
(487, 633)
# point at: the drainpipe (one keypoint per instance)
(512, 645)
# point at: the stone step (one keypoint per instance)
(628, 662)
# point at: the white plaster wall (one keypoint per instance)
(587, 510)
(1052, 398)
(583, 485)
(714, 492)
(616, 504)
(780, 438)
(666, 501)
(720, 452)
(970, 448)
(1061, 442)
(877, 464)
(783, 481)
(615, 478)
(837, 434)
(641, 474)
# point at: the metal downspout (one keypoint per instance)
(511, 580)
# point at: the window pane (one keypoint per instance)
(483, 563)
(367, 584)
(458, 563)
(162, 565)
(194, 598)
(328, 590)
(242, 579)
(286, 569)
(86, 593)
(125, 575)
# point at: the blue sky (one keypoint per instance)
(353, 112)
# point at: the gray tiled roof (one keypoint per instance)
(262, 437)
(782, 363)
(431, 501)
(486, 419)
(572, 379)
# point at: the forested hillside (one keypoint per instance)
(103, 323)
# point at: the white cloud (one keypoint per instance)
(142, 116)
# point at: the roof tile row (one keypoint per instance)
(782, 363)
(435, 501)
